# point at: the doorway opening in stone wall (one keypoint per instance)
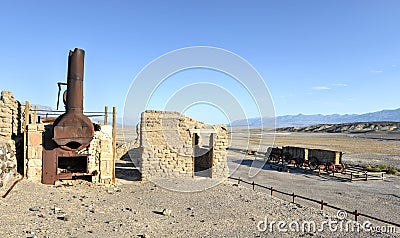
(203, 153)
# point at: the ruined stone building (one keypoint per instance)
(176, 146)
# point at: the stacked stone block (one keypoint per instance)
(34, 146)
(220, 166)
(10, 127)
(8, 161)
(10, 116)
(166, 145)
(100, 158)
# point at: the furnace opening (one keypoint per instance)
(72, 164)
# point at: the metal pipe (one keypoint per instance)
(75, 81)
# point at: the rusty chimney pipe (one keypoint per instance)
(75, 81)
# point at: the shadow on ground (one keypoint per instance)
(125, 169)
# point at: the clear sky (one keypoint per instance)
(333, 56)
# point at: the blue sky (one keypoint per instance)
(326, 57)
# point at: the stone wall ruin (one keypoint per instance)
(10, 128)
(176, 146)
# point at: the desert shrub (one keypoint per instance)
(383, 166)
(369, 168)
(392, 170)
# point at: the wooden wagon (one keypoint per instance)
(313, 158)
(287, 155)
(295, 155)
(274, 154)
(325, 159)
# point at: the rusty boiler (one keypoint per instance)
(71, 132)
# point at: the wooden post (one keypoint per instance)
(34, 115)
(272, 191)
(25, 151)
(293, 196)
(105, 115)
(322, 205)
(351, 177)
(114, 140)
(366, 176)
(356, 215)
(239, 181)
(253, 185)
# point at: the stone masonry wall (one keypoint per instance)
(10, 127)
(10, 116)
(34, 146)
(101, 155)
(8, 162)
(166, 145)
(220, 166)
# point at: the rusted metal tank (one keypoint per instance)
(73, 130)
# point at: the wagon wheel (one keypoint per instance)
(286, 157)
(272, 158)
(299, 162)
(313, 163)
(339, 168)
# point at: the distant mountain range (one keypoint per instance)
(308, 120)
(352, 127)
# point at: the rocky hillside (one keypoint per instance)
(358, 127)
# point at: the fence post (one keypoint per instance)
(105, 115)
(272, 191)
(351, 177)
(356, 215)
(114, 140)
(253, 185)
(293, 196)
(25, 151)
(239, 181)
(322, 205)
(366, 176)
(34, 115)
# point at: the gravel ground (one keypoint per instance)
(141, 209)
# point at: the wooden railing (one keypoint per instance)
(322, 203)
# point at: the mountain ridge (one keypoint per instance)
(299, 120)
